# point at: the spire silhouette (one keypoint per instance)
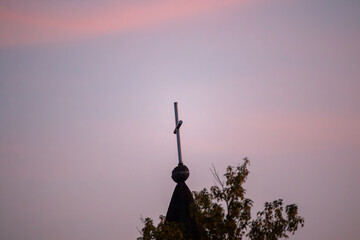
(179, 210)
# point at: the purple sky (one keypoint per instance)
(86, 110)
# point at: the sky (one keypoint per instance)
(86, 110)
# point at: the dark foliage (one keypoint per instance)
(224, 213)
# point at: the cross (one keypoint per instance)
(177, 132)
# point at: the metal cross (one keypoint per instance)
(177, 132)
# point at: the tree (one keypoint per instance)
(224, 213)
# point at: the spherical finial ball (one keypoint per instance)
(180, 173)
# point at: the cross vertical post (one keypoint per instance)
(177, 132)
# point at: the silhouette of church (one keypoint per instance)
(180, 207)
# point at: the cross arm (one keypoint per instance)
(178, 126)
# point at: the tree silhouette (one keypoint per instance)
(224, 213)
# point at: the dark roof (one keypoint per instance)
(179, 211)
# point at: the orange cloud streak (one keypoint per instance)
(24, 28)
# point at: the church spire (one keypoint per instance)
(182, 199)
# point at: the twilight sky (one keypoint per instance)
(86, 110)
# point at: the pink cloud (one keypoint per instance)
(24, 28)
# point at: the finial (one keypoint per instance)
(177, 131)
(181, 172)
